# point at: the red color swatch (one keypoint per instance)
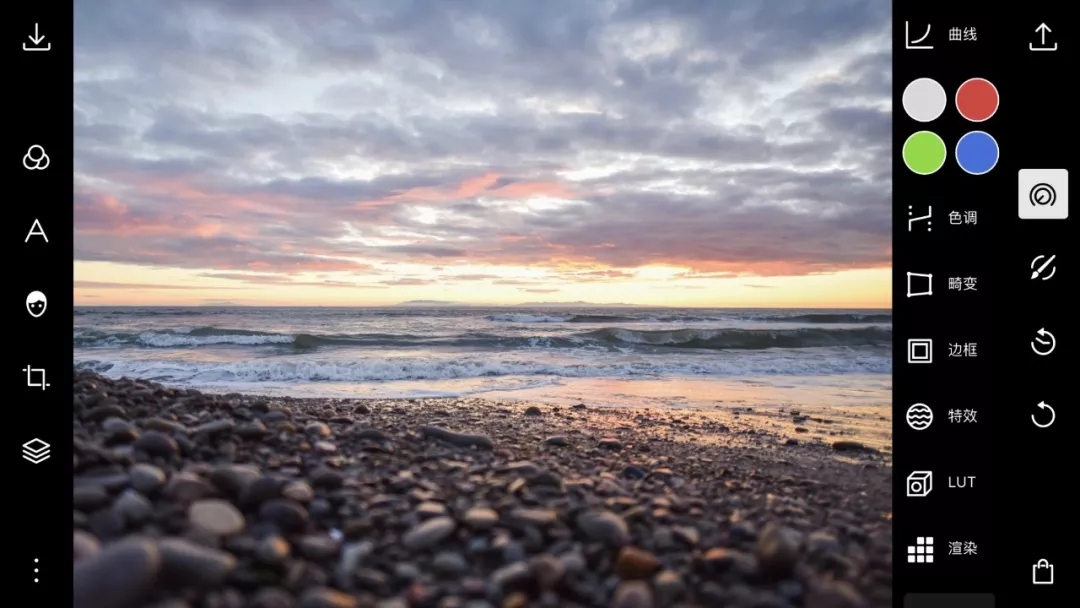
(977, 99)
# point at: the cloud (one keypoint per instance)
(585, 138)
(408, 282)
(285, 280)
(115, 285)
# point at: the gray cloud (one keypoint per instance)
(277, 137)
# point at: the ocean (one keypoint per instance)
(604, 356)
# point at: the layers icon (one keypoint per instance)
(36, 451)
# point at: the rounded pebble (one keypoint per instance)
(216, 517)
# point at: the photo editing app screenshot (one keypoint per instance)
(540, 304)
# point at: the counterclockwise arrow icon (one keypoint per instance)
(1053, 416)
(1050, 342)
(36, 39)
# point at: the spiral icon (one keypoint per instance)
(1043, 195)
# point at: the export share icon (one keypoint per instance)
(36, 451)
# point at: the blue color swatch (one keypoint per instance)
(977, 153)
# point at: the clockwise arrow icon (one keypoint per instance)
(1053, 415)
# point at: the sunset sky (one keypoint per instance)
(367, 152)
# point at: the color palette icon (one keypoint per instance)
(977, 152)
(924, 152)
(924, 99)
(977, 99)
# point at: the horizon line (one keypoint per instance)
(539, 305)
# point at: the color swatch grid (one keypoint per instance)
(925, 100)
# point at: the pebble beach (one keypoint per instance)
(190, 500)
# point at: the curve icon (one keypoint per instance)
(919, 416)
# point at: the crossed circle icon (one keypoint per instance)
(36, 159)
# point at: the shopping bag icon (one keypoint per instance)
(1042, 573)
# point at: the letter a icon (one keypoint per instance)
(36, 230)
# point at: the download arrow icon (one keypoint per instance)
(37, 39)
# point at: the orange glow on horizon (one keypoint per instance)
(103, 283)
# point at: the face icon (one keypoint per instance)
(35, 304)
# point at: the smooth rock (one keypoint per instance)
(299, 491)
(481, 518)
(157, 443)
(217, 517)
(610, 443)
(633, 594)
(459, 439)
(325, 477)
(318, 429)
(90, 497)
(548, 570)
(134, 507)
(633, 563)
(318, 547)
(428, 533)
(253, 429)
(215, 427)
(777, 550)
(85, 545)
(450, 563)
(533, 517)
(146, 478)
(604, 526)
(272, 550)
(187, 487)
(835, 594)
(324, 597)
(185, 564)
(272, 597)
(851, 446)
(669, 587)
(287, 514)
(231, 479)
(121, 576)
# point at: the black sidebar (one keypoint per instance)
(1036, 330)
(978, 309)
(37, 430)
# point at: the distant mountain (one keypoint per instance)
(578, 305)
(431, 303)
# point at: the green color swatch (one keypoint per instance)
(924, 152)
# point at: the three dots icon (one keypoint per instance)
(37, 570)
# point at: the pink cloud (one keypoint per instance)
(486, 183)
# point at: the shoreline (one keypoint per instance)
(450, 502)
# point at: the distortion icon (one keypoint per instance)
(920, 416)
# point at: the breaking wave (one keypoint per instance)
(612, 337)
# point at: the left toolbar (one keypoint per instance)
(39, 153)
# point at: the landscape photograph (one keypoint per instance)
(482, 304)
